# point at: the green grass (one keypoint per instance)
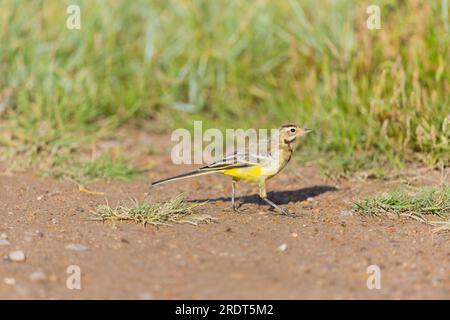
(424, 204)
(176, 210)
(375, 97)
(106, 166)
(65, 157)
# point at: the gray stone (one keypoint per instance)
(76, 247)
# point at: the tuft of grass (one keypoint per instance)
(418, 204)
(176, 210)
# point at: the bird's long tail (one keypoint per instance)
(195, 173)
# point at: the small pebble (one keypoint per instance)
(9, 281)
(282, 247)
(17, 256)
(34, 233)
(3, 236)
(346, 213)
(38, 276)
(76, 247)
(309, 199)
(30, 235)
(294, 234)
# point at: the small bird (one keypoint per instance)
(253, 167)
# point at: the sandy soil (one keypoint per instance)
(237, 256)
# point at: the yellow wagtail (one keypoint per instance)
(256, 168)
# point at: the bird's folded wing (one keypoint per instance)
(236, 160)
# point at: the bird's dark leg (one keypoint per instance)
(233, 195)
(263, 196)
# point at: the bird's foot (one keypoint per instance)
(287, 213)
(237, 207)
(294, 215)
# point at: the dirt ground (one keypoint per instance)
(326, 249)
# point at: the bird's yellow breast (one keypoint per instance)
(248, 174)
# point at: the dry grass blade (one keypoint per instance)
(441, 225)
(176, 210)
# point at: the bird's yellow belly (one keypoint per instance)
(252, 174)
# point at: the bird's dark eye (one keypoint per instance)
(292, 130)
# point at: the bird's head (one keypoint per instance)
(289, 134)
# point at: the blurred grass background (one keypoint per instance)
(375, 97)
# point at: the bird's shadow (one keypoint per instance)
(279, 197)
